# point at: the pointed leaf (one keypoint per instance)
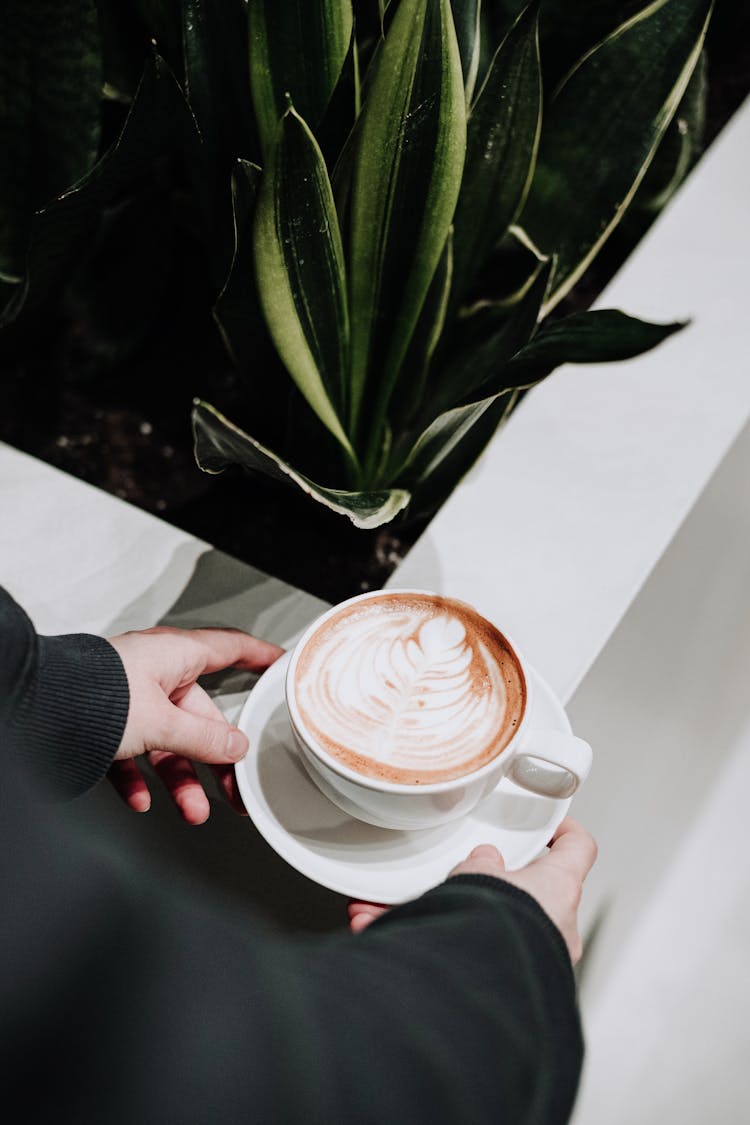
(162, 20)
(237, 310)
(509, 272)
(599, 336)
(217, 74)
(159, 121)
(300, 271)
(601, 131)
(411, 388)
(481, 368)
(438, 480)
(50, 93)
(219, 443)
(335, 127)
(405, 182)
(501, 145)
(467, 20)
(297, 48)
(439, 439)
(680, 147)
(216, 85)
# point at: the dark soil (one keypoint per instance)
(128, 431)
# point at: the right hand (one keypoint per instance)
(555, 880)
(173, 721)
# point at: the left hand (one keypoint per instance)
(173, 720)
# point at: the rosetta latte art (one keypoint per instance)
(407, 693)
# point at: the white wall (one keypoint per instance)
(665, 985)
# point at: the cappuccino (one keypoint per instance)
(409, 688)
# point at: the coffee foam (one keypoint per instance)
(410, 688)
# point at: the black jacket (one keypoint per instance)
(125, 999)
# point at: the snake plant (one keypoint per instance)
(395, 199)
(369, 260)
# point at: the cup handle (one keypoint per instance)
(569, 756)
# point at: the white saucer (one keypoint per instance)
(357, 859)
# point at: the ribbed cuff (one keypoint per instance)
(71, 723)
(527, 903)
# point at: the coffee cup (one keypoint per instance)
(408, 708)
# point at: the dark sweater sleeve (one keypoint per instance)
(139, 998)
(461, 1007)
(143, 999)
(65, 702)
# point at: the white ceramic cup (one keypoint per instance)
(550, 763)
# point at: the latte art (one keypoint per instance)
(411, 688)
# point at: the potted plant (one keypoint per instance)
(368, 267)
(393, 202)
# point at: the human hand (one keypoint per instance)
(555, 880)
(174, 721)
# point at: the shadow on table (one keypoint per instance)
(227, 854)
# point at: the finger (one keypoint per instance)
(574, 847)
(200, 651)
(362, 914)
(358, 907)
(181, 782)
(130, 784)
(484, 859)
(196, 701)
(195, 736)
(227, 780)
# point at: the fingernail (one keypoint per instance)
(236, 745)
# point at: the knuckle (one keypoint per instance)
(213, 738)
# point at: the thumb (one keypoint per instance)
(482, 860)
(201, 738)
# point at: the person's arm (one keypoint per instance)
(78, 706)
(143, 999)
(461, 1007)
(65, 702)
(128, 996)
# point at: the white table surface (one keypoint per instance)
(79, 559)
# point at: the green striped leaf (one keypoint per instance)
(439, 475)
(217, 75)
(509, 273)
(406, 177)
(602, 129)
(297, 48)
(237, 310)
(598, 336)
(680, 147)
(216, 86)
(413, 386)
(454, 440)
(50, 91)
(467, 20)
(502, 139)
(475, 392)
(440, 439)
(492, 337)
(159, 121)
(219, 444)
(299, 270)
